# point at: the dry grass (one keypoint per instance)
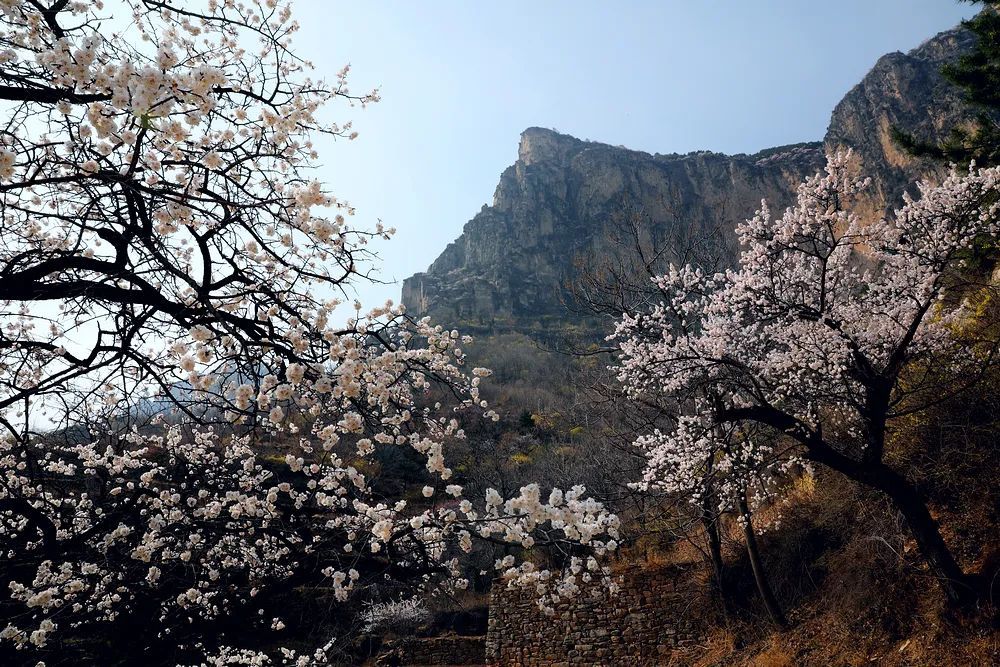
(854, 586)
(855, 591)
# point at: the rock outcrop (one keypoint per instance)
(906, 91)
(555, 207)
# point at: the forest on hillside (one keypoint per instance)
(212, 453)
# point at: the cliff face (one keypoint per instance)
(557, 204)
(905, 91)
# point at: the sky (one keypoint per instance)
(461, 80)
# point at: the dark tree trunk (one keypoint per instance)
(759, 575)
(912, 505)
(957, 587)
(710, 522)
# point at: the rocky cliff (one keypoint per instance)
(555, 207)
(907, 91)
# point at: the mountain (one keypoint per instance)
(557, 206)
(905, 91)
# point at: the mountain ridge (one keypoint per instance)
(555, 206)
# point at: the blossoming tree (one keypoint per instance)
(828, 330)
(170, 277)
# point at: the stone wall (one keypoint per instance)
(655, 612)
(438, 651)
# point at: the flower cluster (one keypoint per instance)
(203, 527)
(804, 343)
(188, 416)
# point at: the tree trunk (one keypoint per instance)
(710, 522)
(912, 505)
(910, 502)
(759, 575)
(957, 587)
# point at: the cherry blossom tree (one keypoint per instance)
(731, 476)
(188, 413)
(829, 329)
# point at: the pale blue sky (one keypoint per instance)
(461, 80)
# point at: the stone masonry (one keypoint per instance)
(437, 651)
(655, 612)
